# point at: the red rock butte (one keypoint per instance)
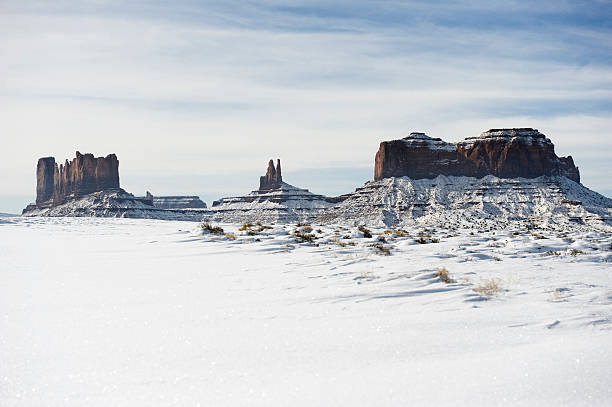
(273, 178)
(83, 175)
(505, 153)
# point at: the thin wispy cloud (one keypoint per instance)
(190, 88)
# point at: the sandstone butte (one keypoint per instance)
(273, 178)
(83, 175)
(505, 153)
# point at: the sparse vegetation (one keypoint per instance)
(400, 232)
(304, 237)
(575, 252)
(382, 250)
(230, 236)
(444, 275)
(339, 242)
(306, 228)
(367, 233)
(253, 230)
(215, 230)
(553, 253)
(487, 288)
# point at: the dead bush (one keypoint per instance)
(444, 275)
(367, 233)
(487, 288)
(215, 230)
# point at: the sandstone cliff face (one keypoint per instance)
(83, 175)
(505, 153)
(273, 178)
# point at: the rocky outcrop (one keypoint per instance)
(505, 153)
(83, 175)
(273, 178)
(274, 201)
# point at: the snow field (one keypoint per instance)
(128, 312)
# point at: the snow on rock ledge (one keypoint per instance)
(489, 202)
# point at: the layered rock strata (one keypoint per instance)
(467, 202)
(175, 202)
(505, 153)
(115, 203)
(274, 201)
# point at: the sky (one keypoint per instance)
(195, 97)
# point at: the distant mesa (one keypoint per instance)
(175, 202)
(505, 153)
(89, 186)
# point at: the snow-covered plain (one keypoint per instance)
(134, 312)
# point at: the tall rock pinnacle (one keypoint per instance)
(273, 178)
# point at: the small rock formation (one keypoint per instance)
(505, 153)
(274, 201)
(175, 202)
(273, 178)
(83, 175)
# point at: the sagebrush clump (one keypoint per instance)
(444, 275)
(215, 230)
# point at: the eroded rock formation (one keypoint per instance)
(83, 175)
(505, 153)
(273, 178)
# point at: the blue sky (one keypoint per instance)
(185, 92)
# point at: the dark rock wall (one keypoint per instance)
(45, 175)
(505, 153)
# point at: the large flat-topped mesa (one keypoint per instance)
(505, 153)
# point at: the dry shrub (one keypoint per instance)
(444, 275)
(367, 233)
(305, 237)
(400, 232)
(382, 250)
(487, 288)
(575, 252)
(230, 236)
(215, 230)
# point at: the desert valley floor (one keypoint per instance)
(127, 312)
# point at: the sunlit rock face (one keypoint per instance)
(273, 178)
(505, 153)
(84, 175)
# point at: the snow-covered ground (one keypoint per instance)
(133, 312)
